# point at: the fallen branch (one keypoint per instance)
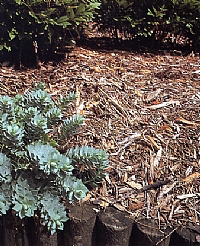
(155, 185)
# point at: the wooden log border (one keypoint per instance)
(90, 226)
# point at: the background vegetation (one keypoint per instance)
(45, 26)
(155, 20)
(41, 26)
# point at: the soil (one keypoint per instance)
(144, 110)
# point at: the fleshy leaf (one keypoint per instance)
(53, 212)
(5, 168)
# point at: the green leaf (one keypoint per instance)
(5, 169)
(18, 1)
(73, 187)
(80, 9)
(5, 198)
(79, 189)
(53, 115)
(89, 164)
(13, 135)
(25, 197)
(12, 34)
(6, 104)
(53, 212)
(48, 159)
(70, 126)
(71, 14)
(63, 21)
(33, 173)
(64, 101)
(39, 99)
(94, 5)
(53, 143)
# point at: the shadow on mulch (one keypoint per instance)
(139, 45)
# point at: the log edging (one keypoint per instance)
(90, 226)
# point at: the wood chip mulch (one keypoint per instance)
(144, 110)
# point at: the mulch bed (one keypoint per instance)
(144, 110)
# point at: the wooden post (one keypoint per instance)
(1, 230)
(113, 228)
(186, 236)
(79, 229)
(43, 237)
(147, 233)
(47, 240)
(13, 231)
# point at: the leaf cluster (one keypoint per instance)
(47, 22)
(154, 19)
(34, 175)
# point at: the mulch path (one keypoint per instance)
(144, 110)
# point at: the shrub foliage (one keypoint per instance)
(153, 18)
(34, 175)
(49, 23)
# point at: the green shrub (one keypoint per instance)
(49, 23)
(34, 175)
(155, 19)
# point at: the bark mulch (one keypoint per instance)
(144, 110)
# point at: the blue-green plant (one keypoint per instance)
(34, 174)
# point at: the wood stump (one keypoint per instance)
(147, 233)
(186, 237)
(113, 228)
(13, 231)
(79, 229)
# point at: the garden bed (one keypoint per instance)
(144, 109)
